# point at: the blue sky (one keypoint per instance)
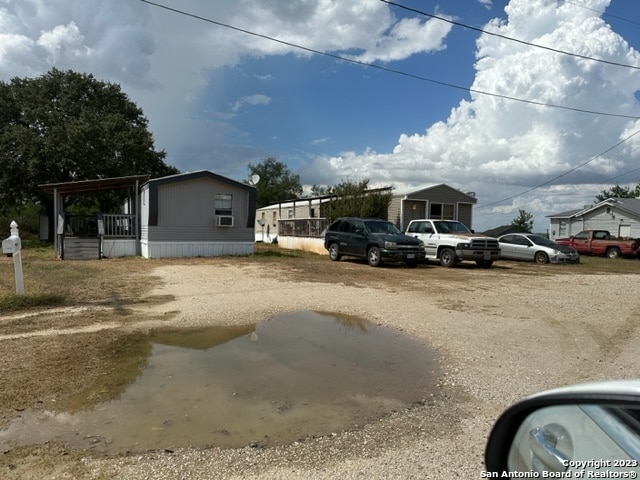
(219, 99)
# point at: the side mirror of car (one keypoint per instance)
(568, 433)
(359, 231)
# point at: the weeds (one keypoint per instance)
(13, 302)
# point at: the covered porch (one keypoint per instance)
(78, 237)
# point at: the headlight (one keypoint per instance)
(464, 245)
(421, 244)
(389, 244)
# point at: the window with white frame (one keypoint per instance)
(224, 204)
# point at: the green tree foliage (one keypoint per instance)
(68, 126)
(277, 183)
(355, 199)
(523, 222)
(619, 192)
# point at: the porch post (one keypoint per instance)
(137, 218)
(56, 240)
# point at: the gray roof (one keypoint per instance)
(631, 205)
(409, 192)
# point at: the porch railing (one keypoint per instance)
(119, 225)
(303, 227)
(115, 225)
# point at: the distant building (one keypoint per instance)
(620, 216)
(434, 201)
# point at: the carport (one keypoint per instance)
(107, 225)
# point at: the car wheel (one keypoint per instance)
(373, 257)
(334, 252)
(613, 252)
(484, 263)
(448, 257)
(541, 257)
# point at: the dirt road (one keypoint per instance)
(502, 334)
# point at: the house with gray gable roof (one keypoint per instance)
(620, 216)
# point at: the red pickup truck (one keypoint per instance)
(601, 242)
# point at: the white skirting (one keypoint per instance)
(194, 249)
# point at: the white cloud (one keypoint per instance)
(493, 146)
(108, 39)
(256, 99)
(63, 43)
(498, 147)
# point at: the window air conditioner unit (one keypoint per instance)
(224, 220)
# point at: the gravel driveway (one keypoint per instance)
(502, 333)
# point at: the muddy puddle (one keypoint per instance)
(293, 376)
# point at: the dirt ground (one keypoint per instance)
(502, 333)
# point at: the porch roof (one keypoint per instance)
(82, 186)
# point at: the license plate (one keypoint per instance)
(411, 255)
(487, 255)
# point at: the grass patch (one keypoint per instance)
(603, 265)
(13, 302)
(277, 254)
(262, 250)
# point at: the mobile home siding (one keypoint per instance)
(417, 204)
(186, 211)
(178, 217)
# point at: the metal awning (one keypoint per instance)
(84, 186)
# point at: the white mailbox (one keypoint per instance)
(11, 245)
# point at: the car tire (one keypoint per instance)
(334, 252)
(541, 258)
(613, 252)
(373, 257)
(484, 263)
(448, 257)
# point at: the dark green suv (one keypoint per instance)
(374, 239)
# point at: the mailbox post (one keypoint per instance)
(12, 246)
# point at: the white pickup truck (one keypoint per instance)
(450, 241)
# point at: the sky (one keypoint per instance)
(500, 98)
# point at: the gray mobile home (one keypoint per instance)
(197, 214)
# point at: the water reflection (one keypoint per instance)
(294, 375)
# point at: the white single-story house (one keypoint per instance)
(196, 214)
(620, 216)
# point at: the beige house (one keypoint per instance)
(434, 201)
(300, 223)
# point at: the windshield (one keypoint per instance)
(451, 227)
(540, 240)
(380, 226)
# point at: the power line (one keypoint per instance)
(505, 37)
(603, 13)
(387, 69)
(564, 174)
